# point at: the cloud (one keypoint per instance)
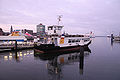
(85, 15)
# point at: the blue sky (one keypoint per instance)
(79, 16)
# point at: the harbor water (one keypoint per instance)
(99, 61)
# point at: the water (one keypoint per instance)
(101, 61)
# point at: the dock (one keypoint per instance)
(11, 43)
(15, 46)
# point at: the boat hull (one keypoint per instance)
(51, 48)
(58, 49)
(53, 55)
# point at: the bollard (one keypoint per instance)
(15, 45)
(112, 37)
(81, 57)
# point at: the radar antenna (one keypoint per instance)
(59, 18)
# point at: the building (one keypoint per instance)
(40, 30)
(24, 33)
(34, 34)
(11, 29)
(1, 32)
(6, 33)
(27, 31)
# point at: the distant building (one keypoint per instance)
(11, 29)
(1, 32)
(29, 31)
(34, 34)
(6, 33)
(41, 30)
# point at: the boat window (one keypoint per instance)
(73, 40)
(56, 28)
(85, 40)
(50, 28)
(77, 40)
(69, 41)
(54, 31)
(59, 28)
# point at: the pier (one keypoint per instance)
(8, 43)
(16, 46)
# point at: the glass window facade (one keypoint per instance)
(41, 30)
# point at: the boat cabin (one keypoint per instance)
(54, 30)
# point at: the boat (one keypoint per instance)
(115, 38)
(62, 43)
(58, 42)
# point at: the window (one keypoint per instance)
(77, 40)
(85, 40)
(54, 31)
(50, 28)
(73, 40)
(69, 41)
(59, 28)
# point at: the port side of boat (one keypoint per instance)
(60, 42)
(63, 44)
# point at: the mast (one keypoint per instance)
(59, 18)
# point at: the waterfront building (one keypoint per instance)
(27, 31)
(6, 33)
(27, 35)
(34, 34)
(11, 29)
(41, 30)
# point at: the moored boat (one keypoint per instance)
(58, 42)
(116, 38)
(61, 43)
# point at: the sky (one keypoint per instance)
(78, 16)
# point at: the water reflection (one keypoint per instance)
(111, 42)
(81, 57)
(15, 55)
(58, 60)
(114, 42)
(102, 64)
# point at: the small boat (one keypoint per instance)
(116, 38)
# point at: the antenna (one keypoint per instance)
(59, 18)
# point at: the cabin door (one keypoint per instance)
(56, 43)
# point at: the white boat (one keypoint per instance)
(116, 38)
(58, 42)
